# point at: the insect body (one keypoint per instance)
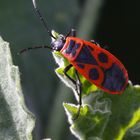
(96, 64)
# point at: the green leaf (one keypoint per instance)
(93, 117)
(16, 122)
(107, 117)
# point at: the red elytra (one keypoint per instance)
(96, 64)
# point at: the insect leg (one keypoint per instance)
(72, 32)
(94, 42)
(67, 68)
(78, 87)
(79, 84)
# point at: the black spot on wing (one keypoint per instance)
(93, 74)
(114, 79)
(75, 47)
(103, 57)
(86, 57)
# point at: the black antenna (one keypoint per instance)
(36, 47)
(41, 18)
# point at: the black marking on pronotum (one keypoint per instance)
(102, 57)
(77, 45)
(70, 47)
(86, 57)
(113, 78)
(93, 74)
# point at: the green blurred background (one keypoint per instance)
(111, 23)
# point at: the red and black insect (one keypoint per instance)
(96, 64)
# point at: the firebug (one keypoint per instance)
(90, 60)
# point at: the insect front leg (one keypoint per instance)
(67, 68)
(78, 87)
(79, 84)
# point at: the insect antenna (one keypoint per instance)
(35, 47)
(42, 19)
